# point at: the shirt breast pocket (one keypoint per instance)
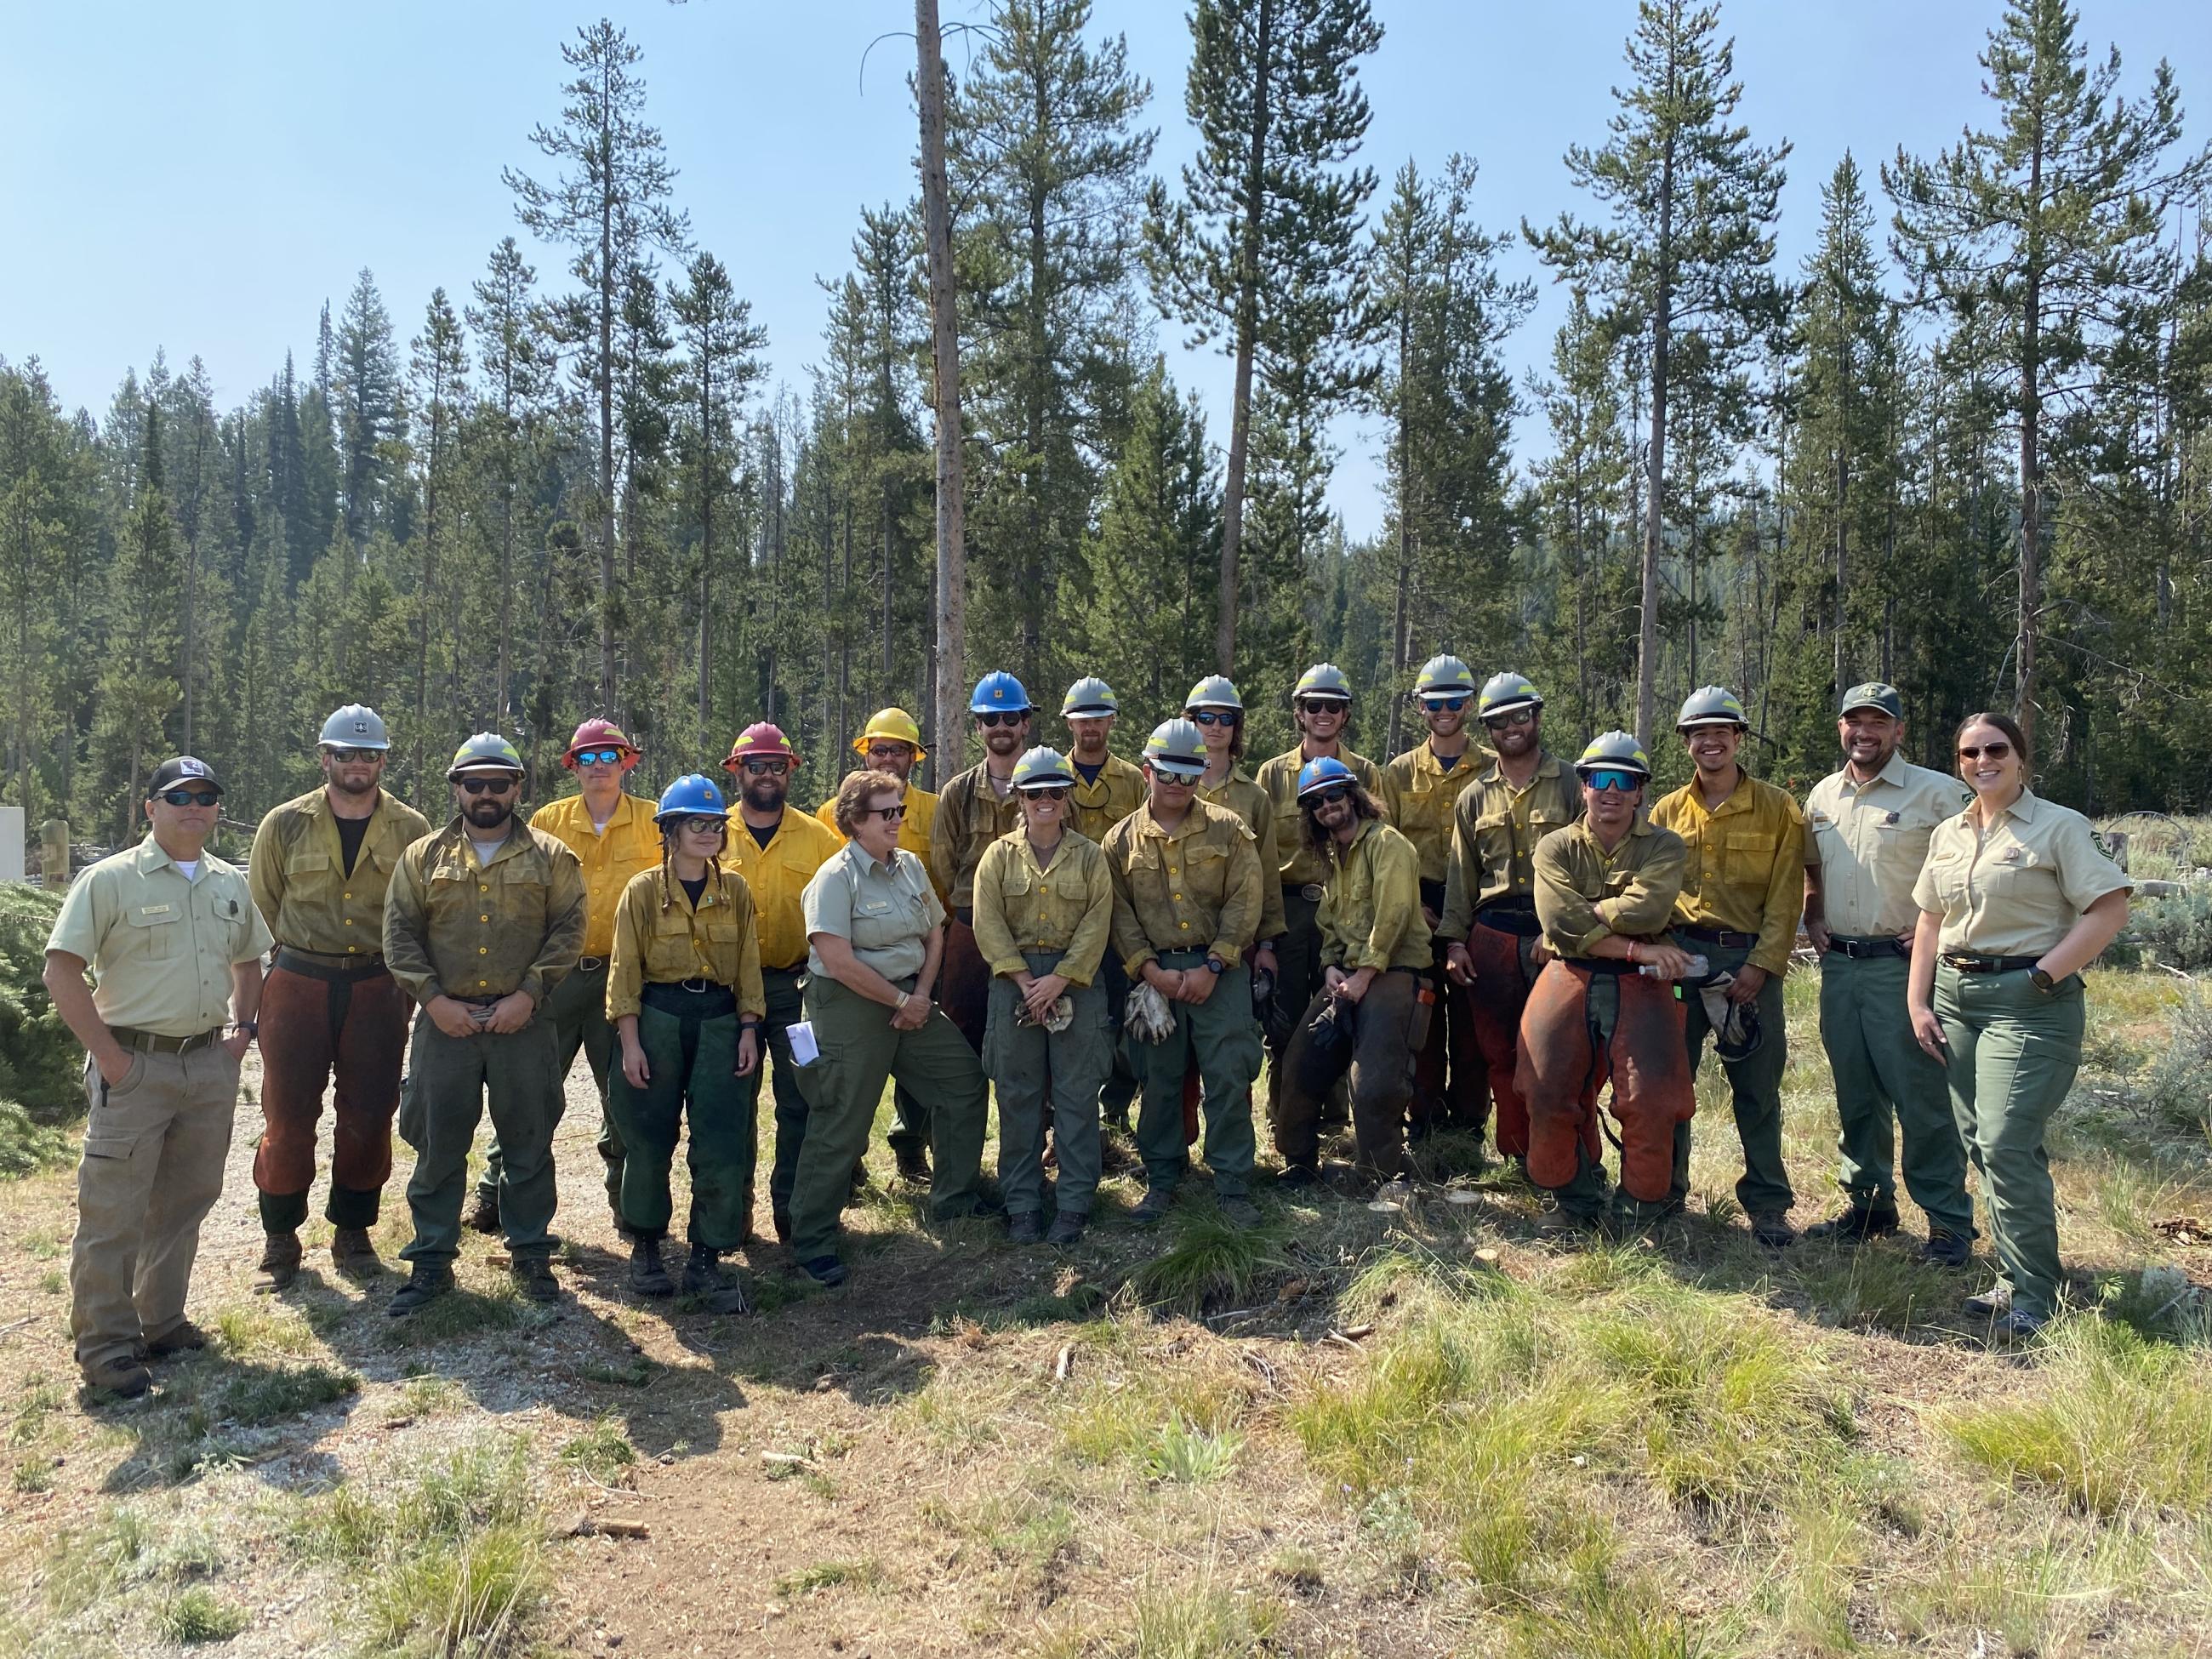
(2010, 877)
(1205, 868)
(308, 861)
(1749, 844)
(155, 933)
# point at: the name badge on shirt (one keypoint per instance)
(153, 909)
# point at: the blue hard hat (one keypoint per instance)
(693, 795)
(1327, 773)
(999, 692)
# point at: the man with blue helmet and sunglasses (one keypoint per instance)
(974, 810)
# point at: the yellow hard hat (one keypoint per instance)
(895, 724)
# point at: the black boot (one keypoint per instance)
(647, 1276)
(703, 1278)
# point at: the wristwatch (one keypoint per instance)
(1217, 965)
(251, 1027)
(2041, 981)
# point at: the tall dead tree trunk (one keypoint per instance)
(951, 633)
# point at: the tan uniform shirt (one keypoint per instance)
(609, 857)
(1021, 905)
(660, 939)
(1195, 890)
(454, 928)
(1371, 916)
(914, 829)
(1417, 798)
(1870, 840)
(1585, 894)
(970, 815)
(777, 875)
(1120, 790)
(1280, 778)
(1252, 804)
(1745, 873)
(301, 884)
(1495, 831)
(161, 948)
(886, 911)
(2017, 890)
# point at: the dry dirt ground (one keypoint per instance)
(1422, 1432)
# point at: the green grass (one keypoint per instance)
(257, 1397)
(864, 1574)
(1208, 1259)
(34, 1475)
(2117, 1424)
(90, 1563)
(197, 1615)
(1183, 1455)
(602, 1451)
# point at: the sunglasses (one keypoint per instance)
(598, 757)
(1213, 716)
(1012, 717)
(355, 756)
(191, 797)
(1323, 706)
(1993, 751)
(1455, 704)
(890, 751)
(1047, 792)
(888, 814)
(1173, 780)
(705, 826)
(498, 785)
(757, 767)
(1513, 717)
(1329, 796)
(1620, 783)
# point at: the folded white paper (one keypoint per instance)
(804, 1051)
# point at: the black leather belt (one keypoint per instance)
(1311, 892)
(589, 964)
(1720, 936)
(313, 965)
(690, 998)
(481, 1002)
(153, 1042)
(1882, 946)
(1510, 916)
(1972, 962)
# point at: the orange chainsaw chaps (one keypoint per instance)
(1651, 1087)
(1555, 1072)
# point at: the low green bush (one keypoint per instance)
(41, 1067)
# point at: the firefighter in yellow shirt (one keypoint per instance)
(1743, 890)
(1107, 790)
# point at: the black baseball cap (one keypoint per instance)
(182, 769)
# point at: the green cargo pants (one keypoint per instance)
(861, 1051)
(2013, 1052)
(691, 1061)
(786, 1008)
(1221, 1033)
(448, 1079)
(1033, 1071)
(1119, 1087)
(1754, 1087)
(1888, 1089)
(577, 1011)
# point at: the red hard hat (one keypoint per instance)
(597, 734)
(760, 737)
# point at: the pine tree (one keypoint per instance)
(517, 365)
(611, 205)
(1258, 250)
(1692, 204)
(366, 389)
(441, 367)
(2051, 224)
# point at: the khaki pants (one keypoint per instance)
(154, 1148)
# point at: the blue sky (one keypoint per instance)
(202, 177)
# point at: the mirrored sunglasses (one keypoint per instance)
(702, 825)
(1455, 704)
(598, 757)
(1046, 791)
(1615, 782)
(1510, 717)
(1212, 716)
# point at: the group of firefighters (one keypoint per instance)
(1478, 921)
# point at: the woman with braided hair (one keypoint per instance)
(684, 991)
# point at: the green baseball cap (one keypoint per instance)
(1875, 694)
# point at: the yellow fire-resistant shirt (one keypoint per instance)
(1120, 790)
(660, 939)
(969, 817)
(1417, 797)
(2015, 890)
(631, 842)
(301, 884)
(1280, 778)
(454, 928)
(1370, 915)
(1022, 906)
(1195, 890)
(1870, 840)
(1746, 869)
(161, 948)
(1251, 803)
(1585, 894)
(777, 875)
(1495, 831)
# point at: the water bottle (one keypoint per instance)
(1697, 969)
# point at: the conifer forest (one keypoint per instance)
(1965, 445)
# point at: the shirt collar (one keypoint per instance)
(1547, 766)
(152, 856)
